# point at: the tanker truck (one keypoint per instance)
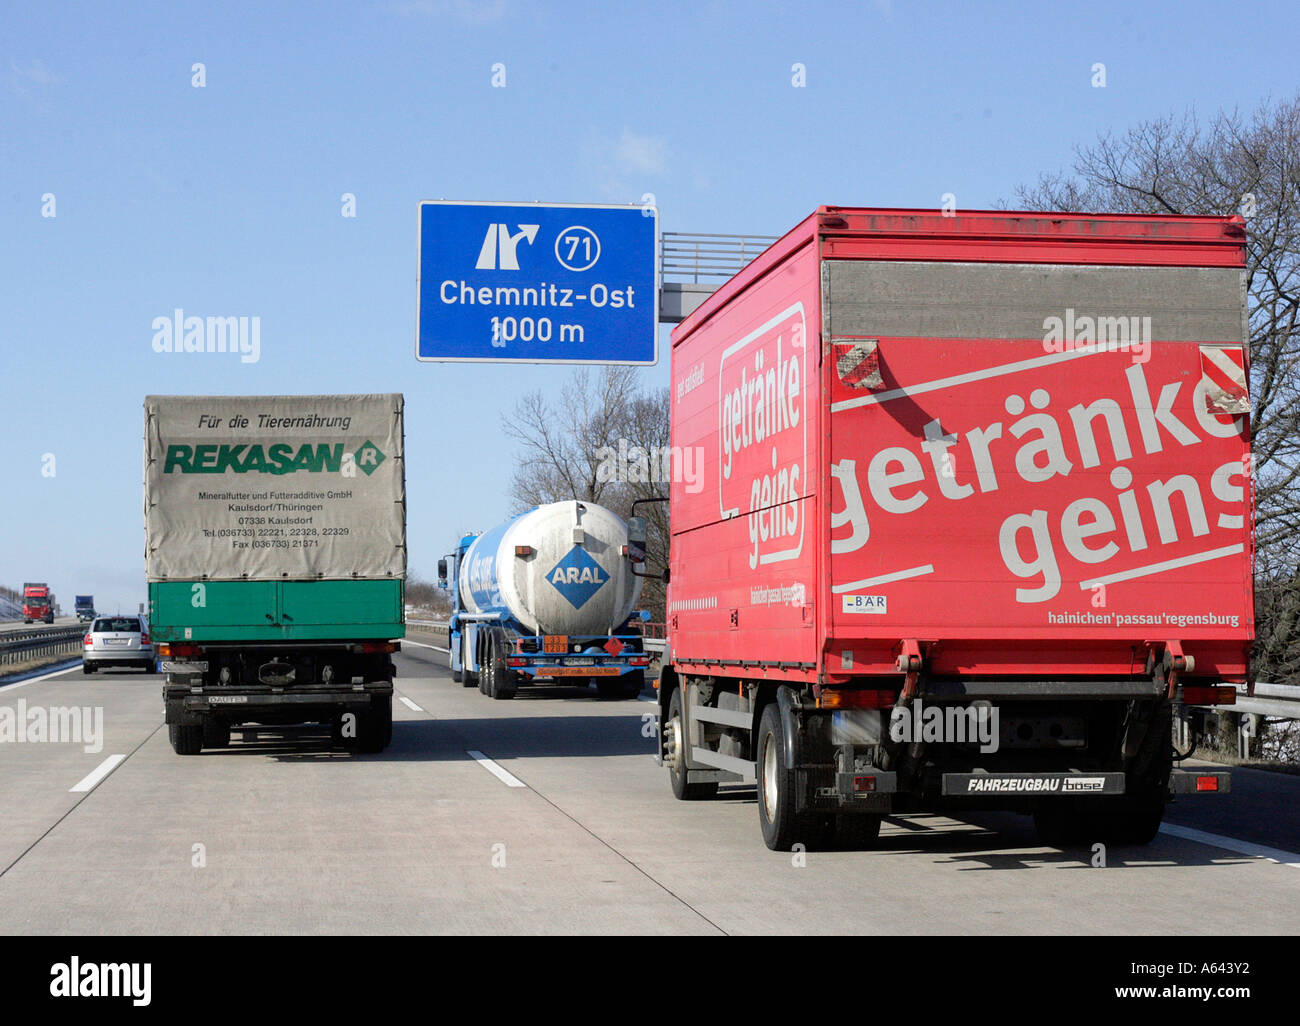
(548, 596)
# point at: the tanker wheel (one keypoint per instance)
(673, 744)
(501, 682)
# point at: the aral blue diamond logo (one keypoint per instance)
(577, 577)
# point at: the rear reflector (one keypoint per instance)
(377, 646)
(1209, 696)
(1207, 783)
(864, 783)
(523, 550)
(833, 698)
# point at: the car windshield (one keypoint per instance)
(117, 626)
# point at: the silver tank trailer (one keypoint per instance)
(573, 579)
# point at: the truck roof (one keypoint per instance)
(1063, 237)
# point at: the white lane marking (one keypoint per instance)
(1156, 568)
(37, 680)
(409, 704)
(91, 780)
(421, 644)
(1285, 858)
(897, 575)
(506, 778)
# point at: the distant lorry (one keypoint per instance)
(276, 559)
(980, 523)
(85, 607)
(548, 596)
(38, 603)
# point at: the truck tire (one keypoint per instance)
(783, 827)
(855, 831)
(186, 740)
(675, 759)
(501, 679)
(375, 726)
(216, 735)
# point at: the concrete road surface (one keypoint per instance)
(542, 815)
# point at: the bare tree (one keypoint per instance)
(1246, 164)
(604, 441)
(562, 444)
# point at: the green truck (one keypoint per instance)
(275, 554)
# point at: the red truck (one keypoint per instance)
(975, 521)
(38, 603)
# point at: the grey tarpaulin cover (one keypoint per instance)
(298, 486)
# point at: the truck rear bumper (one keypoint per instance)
(193, 706)
(1074, 785)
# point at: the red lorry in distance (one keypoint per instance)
(976, 520)
(38, 603)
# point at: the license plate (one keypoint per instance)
(115, 641)
(579, 662)
(555, 643)
(227, 699)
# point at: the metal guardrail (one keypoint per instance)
(692, 257)
(18, 646)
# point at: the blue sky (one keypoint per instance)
(226, 199)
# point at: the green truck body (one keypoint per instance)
(278, 611)
(276, 559)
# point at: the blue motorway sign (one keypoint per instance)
(537, 283)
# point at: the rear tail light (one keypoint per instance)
(516, 662)
(835, 698)
(144, 639)
(168, 651)
(1207, 783)
(89, 641)
(864, 783)
(1209, 695)
(375, 646)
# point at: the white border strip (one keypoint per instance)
(506, 778)
(15, 685)
(1285, 858)
(962, 379)
(1156, 568)
(409, 704)
(897, 575)
(92, 779)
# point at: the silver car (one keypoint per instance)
(117, 641)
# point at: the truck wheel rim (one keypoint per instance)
(672, 746)
(769, 778)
